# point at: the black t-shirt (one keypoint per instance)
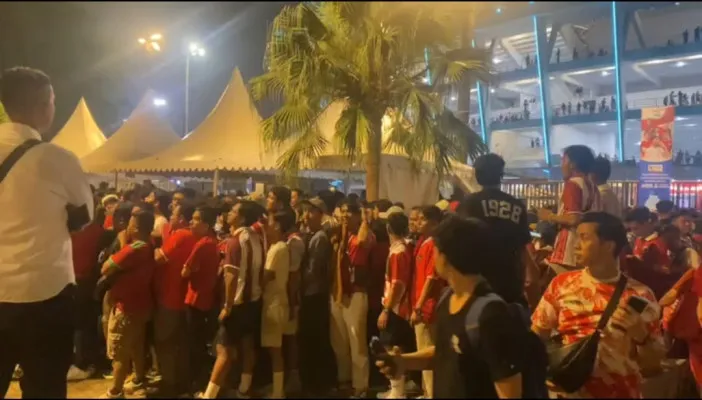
(507, 216)
(462, 371)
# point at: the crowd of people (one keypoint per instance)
(185, 294)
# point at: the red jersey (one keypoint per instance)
(399, 273)
(572, 305)
(378, 265)
(652, 264)
(131, 291)
(171, 287)
(424, 269)
(579, 195)
(355, 267)
(203, 264)
(108, 224)
(166, 232)
(86, 246)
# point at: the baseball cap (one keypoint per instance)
(317, 203)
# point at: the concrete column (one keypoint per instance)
(542, 65)
(619, 31)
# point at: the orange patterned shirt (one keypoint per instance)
(572, 306)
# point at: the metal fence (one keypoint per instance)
(685, 194)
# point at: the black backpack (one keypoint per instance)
(534, 376)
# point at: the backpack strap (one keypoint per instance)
(472, 323)
(15, 156)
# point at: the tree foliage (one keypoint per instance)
(400, 59)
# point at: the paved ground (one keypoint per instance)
(88, 389)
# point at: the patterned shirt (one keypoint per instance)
(572, 306)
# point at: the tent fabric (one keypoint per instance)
(80, 135)
(144, 134)
(396, 175)
(228, 139)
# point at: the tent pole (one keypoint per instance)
(215, 183)
(116, 179)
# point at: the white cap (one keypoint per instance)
(391, 210)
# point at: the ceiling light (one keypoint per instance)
(605, 73)
(690, 125)
(681, 118)
(496, 60)
(680, 64)
(158, 102)
(550, 78)
(499, 10)
(454, 98)
(677, 3)
(492, 90)
(602, 124)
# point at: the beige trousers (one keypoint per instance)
(425, 334)
(348, 339)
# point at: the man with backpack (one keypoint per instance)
(484, 348)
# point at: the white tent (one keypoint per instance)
(144, 134)
(80, 134)
(227, 140)
(398, 181)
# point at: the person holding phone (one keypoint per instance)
(575, 301)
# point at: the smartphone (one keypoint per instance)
(637, 303)
(378, 351)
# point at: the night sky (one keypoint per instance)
(90, 49)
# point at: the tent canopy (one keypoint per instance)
(228, 139)
(144, 134)
(80, 134)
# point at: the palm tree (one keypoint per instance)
(378, 58)
(3, 115)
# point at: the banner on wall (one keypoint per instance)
(656, 162)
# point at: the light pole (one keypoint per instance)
(193, 51)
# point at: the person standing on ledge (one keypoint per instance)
(44, 194)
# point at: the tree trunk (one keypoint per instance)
(375, 148)
(465, 85)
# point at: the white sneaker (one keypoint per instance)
(130, 387)
(384, 395)
(109, 395)
(77, 374)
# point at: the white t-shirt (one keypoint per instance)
(297, 252)
(278, 260)
(159, 222)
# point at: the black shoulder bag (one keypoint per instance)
(570, 366)
(15, 156)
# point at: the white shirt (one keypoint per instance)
(159, 222)
(610, 201)
(36, 262)
(278, 261)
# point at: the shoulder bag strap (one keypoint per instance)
(613, 302)
(15, 156)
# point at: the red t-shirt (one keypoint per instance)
(399, 272)
(652, 264)
(425, 269)
(203, 264)
(171, 287)
(357, 261)
(131, 291)
(86, 245)
(166, 232)
(108, 224)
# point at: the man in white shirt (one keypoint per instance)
(275, 294)
(601, 170)
(41, 195)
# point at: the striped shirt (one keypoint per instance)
(579, 196)
(244, 252)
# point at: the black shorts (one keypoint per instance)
(243, 321)
(397, 332)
